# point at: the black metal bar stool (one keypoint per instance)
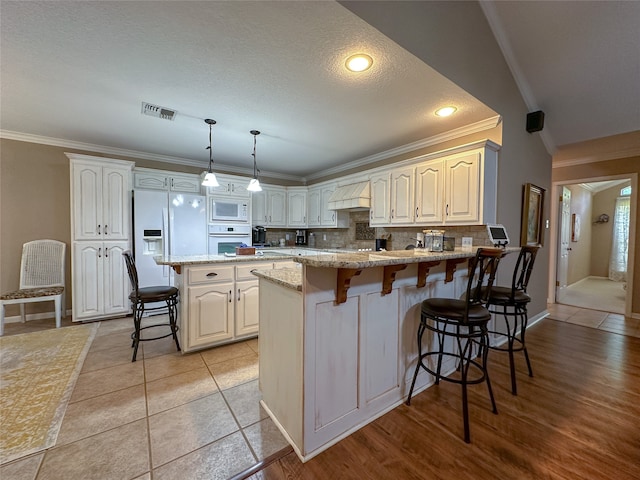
(466, 321)
(140, 297)
(510, 303)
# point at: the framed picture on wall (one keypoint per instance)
(532, 232)
(575, 227)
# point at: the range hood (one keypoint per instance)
(356, 196)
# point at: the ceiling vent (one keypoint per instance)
(158, 111)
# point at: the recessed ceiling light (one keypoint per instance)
(359, 62)
(445, 111)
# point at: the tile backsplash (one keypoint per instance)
(398, 237)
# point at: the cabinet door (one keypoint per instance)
(87, 202)
(314, 201)
(277, 207)
(402, 181)
(380, 208)
(185, 183)
(429, 187)
(462, 189)
(239, 188)
(211, 310)
(259, 215)
(232, 186)
(88, 286)
(151, 181)
(247, 311)
(297, 208)
(115, 203)
(116, 280)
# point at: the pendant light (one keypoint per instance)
(208, 177)
(254, 184)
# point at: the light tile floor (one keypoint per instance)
(611, 322)
(166, 416)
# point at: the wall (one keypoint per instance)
(455, 39)
(579, 265)
(603, 163)
(602, 233)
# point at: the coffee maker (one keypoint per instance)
(301, 237)
(259, 235)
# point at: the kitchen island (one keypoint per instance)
(338, 338)
(219, 296)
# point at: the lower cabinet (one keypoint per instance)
(219, 303)
(100, 283)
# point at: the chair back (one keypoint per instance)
(482, 273)
(131, 270)
(522, 272)
(42, 264)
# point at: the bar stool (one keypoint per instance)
(510, 303)
(140, 297)
(466, 321)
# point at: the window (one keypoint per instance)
(625, 191)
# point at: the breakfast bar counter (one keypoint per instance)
(337, 338)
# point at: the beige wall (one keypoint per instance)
(579, 266)
(617, 167)
(602, 233)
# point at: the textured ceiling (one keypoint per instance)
(79, 71)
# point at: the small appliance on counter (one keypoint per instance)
(259, 235)
(301, 237)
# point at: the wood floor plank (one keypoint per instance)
(577, 418)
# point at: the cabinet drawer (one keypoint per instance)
(210, 274)
(243, 272)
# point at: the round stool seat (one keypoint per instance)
(502, 296)
(454, 310)
(154, 294)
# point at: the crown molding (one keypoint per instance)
(480, 126)
(617, 155)
(89, 147)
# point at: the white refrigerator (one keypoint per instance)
(166, 223)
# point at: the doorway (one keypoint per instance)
(585, 219)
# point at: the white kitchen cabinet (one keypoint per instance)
(100, 219)
(222, 303)
(297, 207)
(269, 206)
(462, 191)
(380, 212)
(314, 206)
(100, 200)
(100, 282)
(402, 196)
(429, 190)
(318, 213)
(232, 186)
(150, 179)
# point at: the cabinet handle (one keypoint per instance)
(370, 214)
(105, 229)
(212, 274)
(172, 183)
(100, 252)
(447, 210)
(333, 217)
(230, 296)
(416, 212)
(106, 252)
(98, 229)
(238, 294)
(304, 219)
(269, 218)
(165, 182)
(392, 213)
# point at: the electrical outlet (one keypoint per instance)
(324, 236)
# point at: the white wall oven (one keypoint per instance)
(223, 209)
(224, 238)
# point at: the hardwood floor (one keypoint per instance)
(577, 418)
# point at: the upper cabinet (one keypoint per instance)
(297, 207)
(318, 212)
(454, 189)
(269, 207)
(150, 179)
(231, 186)
(100, 200)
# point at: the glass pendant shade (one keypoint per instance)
(254, 185)
(209, 179)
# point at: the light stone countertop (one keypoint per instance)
(287, 277)
(177, 260)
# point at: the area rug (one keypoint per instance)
(595, 293)
(38, 372)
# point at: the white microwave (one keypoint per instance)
(228, 210)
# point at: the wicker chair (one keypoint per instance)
(41, 279)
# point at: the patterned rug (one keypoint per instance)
(38, 372)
